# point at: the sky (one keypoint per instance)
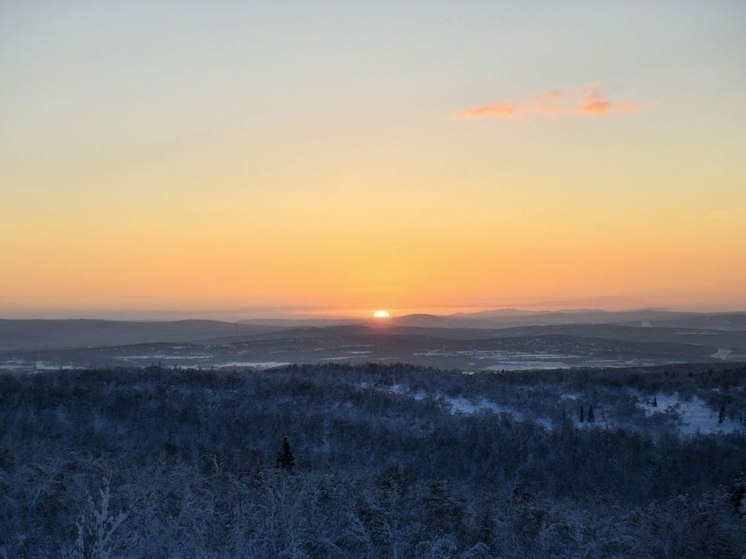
(291, 158)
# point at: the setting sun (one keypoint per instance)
(381, 314)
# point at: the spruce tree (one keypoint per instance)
(591, 417)
(285, 458)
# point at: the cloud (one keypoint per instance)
(587, 102)
(501, 109)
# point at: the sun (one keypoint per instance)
(381, 314)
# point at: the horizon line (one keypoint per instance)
(249, 314)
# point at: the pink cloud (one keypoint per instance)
(594, 104)
(501, 109)
(588, 102)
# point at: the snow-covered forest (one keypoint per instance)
(380, 461)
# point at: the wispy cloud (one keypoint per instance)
(587, 101)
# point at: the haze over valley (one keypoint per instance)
(489, 341)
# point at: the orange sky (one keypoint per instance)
(402, 159)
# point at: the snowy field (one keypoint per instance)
(672, 412)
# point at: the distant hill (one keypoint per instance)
(715, 321)
(505, 318)
(431, 321)
(298, 322)
(61, 334)
(716, 335)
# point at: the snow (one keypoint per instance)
(253, 364)
(407, 391)
(462, 405)
(694, 414)
(24, 365)
(527, 366)
(502, 360)
(459, 404)
(163, 356)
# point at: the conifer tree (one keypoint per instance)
(285, 459)
(591, 417)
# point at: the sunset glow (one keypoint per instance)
(381, 314)
(258, 163)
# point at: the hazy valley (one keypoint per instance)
(553, 340)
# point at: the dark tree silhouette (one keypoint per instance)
(285, 458)
(737, 494)
(591, 416)
(582, 414)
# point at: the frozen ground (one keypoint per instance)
(252, 364)
(161, 356)
(693, 415)
(722, 353)
(491, 360)
(686, 416)
(31, 366)
(460, 404)
(501, 360)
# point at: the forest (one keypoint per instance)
(373, 461)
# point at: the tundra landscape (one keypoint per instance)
(347, 279)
